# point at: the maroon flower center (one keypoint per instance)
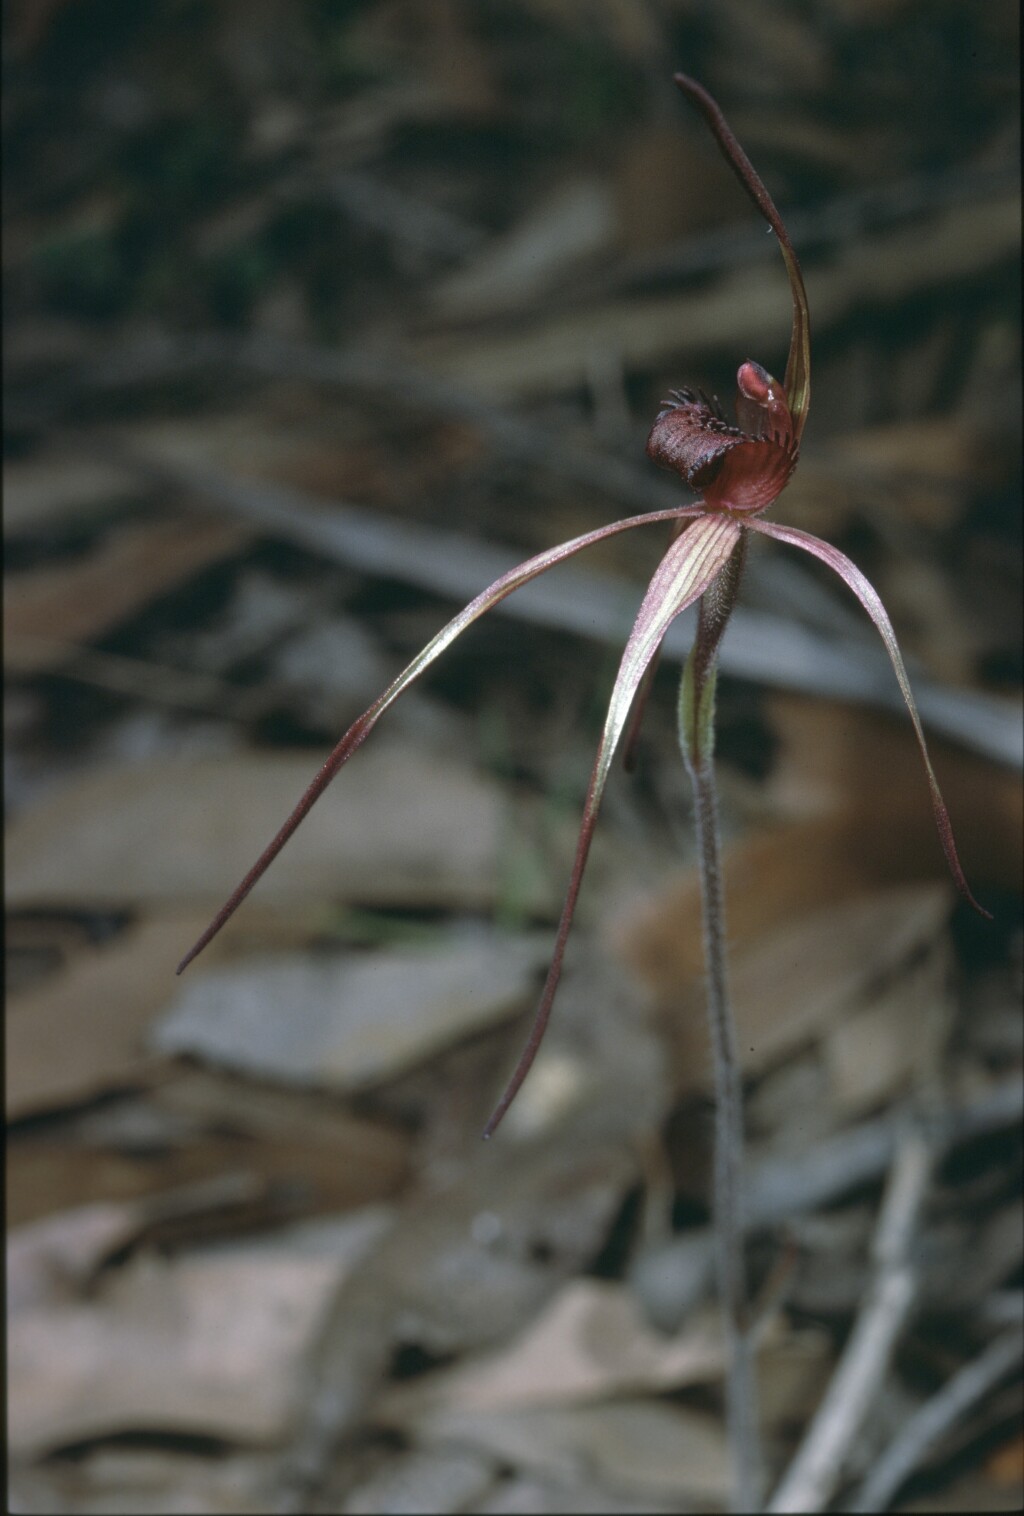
(734, 468)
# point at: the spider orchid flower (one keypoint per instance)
(738, 472)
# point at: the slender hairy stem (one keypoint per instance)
(741, 1406)
(696, 733)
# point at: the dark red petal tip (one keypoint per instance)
(754, 382)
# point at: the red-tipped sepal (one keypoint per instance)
(361, 728)
(691, 564)
(869, 599)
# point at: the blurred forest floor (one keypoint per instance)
(318, 316)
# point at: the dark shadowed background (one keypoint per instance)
(318, 316)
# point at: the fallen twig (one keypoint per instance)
(672, 1278)
(767, 648)
(159, 358)
(770, 649)
(919, 1435)
(818, 1466)
(782, 1188)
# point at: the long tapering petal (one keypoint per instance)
(692, 562)
(363, 725)
(869, 599)
(636, 715)
(798, 368)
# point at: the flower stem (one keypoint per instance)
(696, 733)
(741, 1400)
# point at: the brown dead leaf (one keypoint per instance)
(808, 976)
(345, 1020)
(867, 763)
(195, 1129)
(402, 827)
(471, 1260)
(636, 1447)
(204, 1346)
(811, 976)
(84, 1029)
(895, 1036)
(49, 1260)
(853, 784)
(590, 1341)
(436, 1480)
(79, 601)
(773, 879)
(112, 1479)
(57, 1258)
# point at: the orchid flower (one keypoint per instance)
(738, 471)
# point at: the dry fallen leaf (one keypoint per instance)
(205, 1346)
(866, 765)
(852, 786)
(423, 1482)
(193, 1128)
(468, 1263)
(589, 1342)
(79, 601)
(58, 1257)
(345, 1020)
(112, 1479)
(804, 979)
(897, 1034)
(636, 1447)
(84, 1029)
(771, 878)
(403, 827)
(812, 975)
(53, 1258)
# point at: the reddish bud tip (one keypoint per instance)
(754, 382)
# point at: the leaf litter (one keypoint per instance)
(347, 1023)
(249, 1258)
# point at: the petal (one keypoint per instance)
(868, 597)
(361, 727)
(690, 565)
(636, 715)
(798, 367)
